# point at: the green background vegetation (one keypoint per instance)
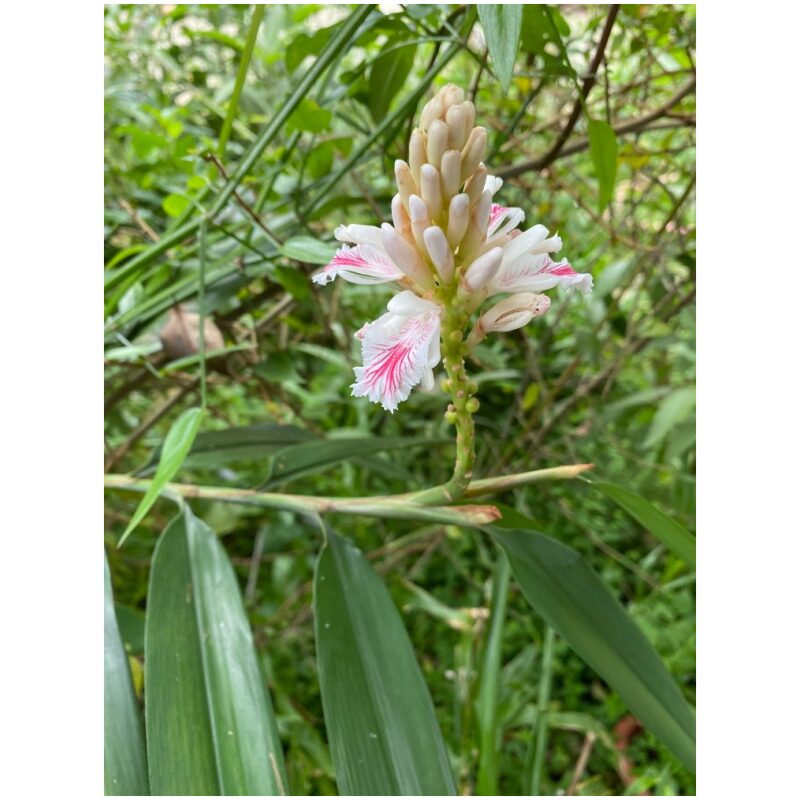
(606, 379)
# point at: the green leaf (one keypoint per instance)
(310, 117)
(388, 75)
(381, 725)
(210, 727)
(603, 149)
(308, 250)
(173, 452)
(175, 204)
(307, 457)
(239, 443)
(675, 408)
(664, 528)
(125, 766)
(502, 24)
(573, 600)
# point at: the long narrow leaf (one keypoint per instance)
(176, 447)
(664, 528)
(562, 587)
(210, 727)
(381, 725)
(125, 765)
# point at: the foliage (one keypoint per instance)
(279, 129)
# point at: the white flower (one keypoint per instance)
(399, 350)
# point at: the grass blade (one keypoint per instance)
(210, 727)
(241, 75)
(381, 725)
(125, 765)
(573, 600)
(174, 451)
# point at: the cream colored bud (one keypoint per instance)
(475, 186)
(451, 173)
(434, 109)
(458, 122)
(451, 95)
(431, 190)
(405, 257)
(416, 153)
(440, 253)
(457, 219)
(420, 220)
(514, 312)
(406, 184)
(437, 142)
(478, 222)
(400, 219)
(483, 269)
(472, 155)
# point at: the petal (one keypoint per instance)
(359, 234)
(493, 183)
(538, 273)
(395, 360)
(407, 304)
(361, 264)
(503, 220)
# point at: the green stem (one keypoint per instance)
(543, 700)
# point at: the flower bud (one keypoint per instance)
(451, 173)
(451, 95)
(457, 219)
(514, 312)
(456, 119)
(473, 151)
(478, 222)
(440, 253)
(402, 224)
(431, 190)
(437, 142)
(483, 269)
(476, 184)
(405, 181)
(418, 212)
(431, 111)
(405, 257)
(416, 153)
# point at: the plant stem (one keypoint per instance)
(543, 700)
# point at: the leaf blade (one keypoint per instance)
(124, 760)
(209, 719)
(603, 150)
(175, 449)
(384, 736)
(561, 586)
(502, 24)
(663, 527)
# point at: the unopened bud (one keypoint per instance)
(456, 119)
(402, 224)
(451, 173)
(431, 190)
(472, 405)
(405, 257)
(472, 155)
(478, 222)
(514, 312)
(457, 219)
(437, 142)
(432, 110)
(418, 212)
(476, 184)
(416, 153)
(440, 253)
(451, 95)
(406, 184)
(483, 269)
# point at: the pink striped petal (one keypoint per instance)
(398, 353)
(538, 273)
(361, 264)
(503, 220)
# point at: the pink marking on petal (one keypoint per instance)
(360, 264)
(560, 268)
